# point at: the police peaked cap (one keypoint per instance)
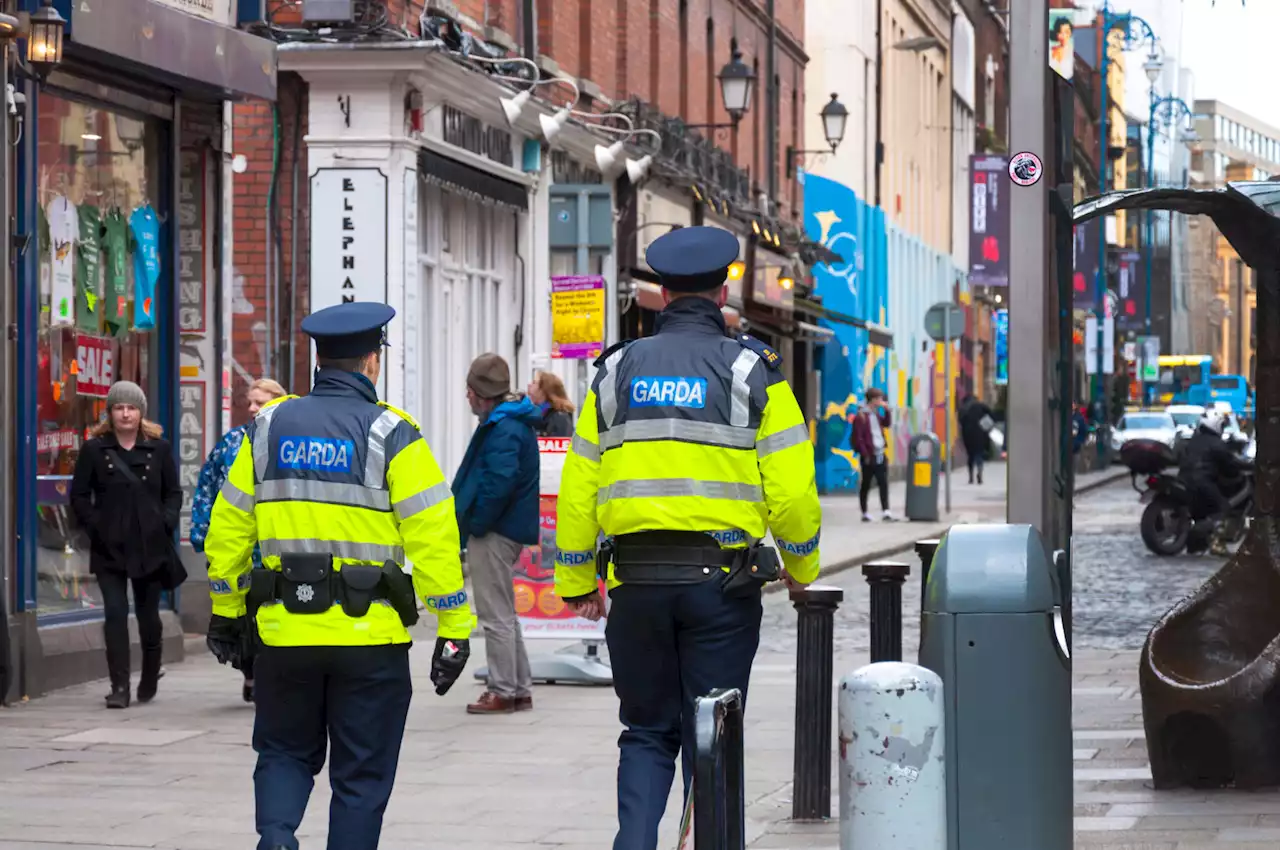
(351, 329)
(693, 259)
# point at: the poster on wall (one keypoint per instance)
(1062, 51)
(989, 220)
(542, 613)
(1084, 263)
(349, 240)
(95, 365)
(577, 317)
(1000, 326)
(1131, 308)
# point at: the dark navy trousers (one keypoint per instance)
(668, 646)
(352, 698)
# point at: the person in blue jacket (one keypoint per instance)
(212, 476)
(496, 496)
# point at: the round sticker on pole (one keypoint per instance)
(1025, 168)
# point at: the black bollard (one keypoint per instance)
(886, 579)
(815, 635)
(719, 787)
(925, 550)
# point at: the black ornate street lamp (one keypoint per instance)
(834, 118)
(44, 39)
(737, 84)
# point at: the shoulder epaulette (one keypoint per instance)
(398, 412)
(604, 355)
(768, 355)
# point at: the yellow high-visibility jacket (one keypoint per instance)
(688, 430)
(337, 472)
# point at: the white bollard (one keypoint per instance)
(893, 786)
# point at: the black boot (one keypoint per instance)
(151, 657)
(119, 696)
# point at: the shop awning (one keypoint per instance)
(876, 334)
(459, 177)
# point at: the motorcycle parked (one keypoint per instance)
(1173, 522)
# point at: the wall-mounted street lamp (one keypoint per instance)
(737, 84)
(45, 29)
(834, 118)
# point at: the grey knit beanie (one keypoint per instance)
(127, 392)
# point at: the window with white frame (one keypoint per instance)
(470, 306)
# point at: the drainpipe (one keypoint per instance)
(771, 110)
(529, 14)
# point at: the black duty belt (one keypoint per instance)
(309, 584)
(671, 557)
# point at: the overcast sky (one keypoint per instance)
(1230, 48)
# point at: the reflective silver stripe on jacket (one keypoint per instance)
(236, 497)
(740, 407)
(327, 492)
(373, 552)
(375, 459)
(585, 449)
(681, 430)
(648, 488)
(422, 501)
(608, 397)
(261, 441)
(784, 439)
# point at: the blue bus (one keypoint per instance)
(1184, 379)
(1235, 391)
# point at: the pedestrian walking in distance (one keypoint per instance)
(976, 423)
(690, 447)
(546, 390)
(870, 438)
(337, 489)
(212, 476)
(496, 496)
(125, 494)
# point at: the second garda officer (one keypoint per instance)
(690, 447)
(339, 489)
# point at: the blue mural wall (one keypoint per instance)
(858, 286)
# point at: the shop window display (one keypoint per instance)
(99, 232)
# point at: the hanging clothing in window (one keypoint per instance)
(145, 226)
(63, 228)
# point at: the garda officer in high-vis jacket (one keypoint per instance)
(690, 447)
(340, 490)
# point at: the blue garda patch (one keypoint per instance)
(315, 453)
(668, 392)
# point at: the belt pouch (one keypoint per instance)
(399, 589)
(306, 583)
(262, 589)
(360, 587)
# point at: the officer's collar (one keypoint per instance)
(691, 312)
(335, 382)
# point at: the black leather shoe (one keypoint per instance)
(118, 698)
(247, 693)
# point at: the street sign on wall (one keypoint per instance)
(944, 321)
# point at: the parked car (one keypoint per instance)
(1144, 425)
(1187, 418)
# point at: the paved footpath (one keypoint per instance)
(177, 773)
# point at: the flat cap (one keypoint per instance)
(693, 259)
(351, 329)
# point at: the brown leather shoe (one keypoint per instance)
(491, 703)
(524, 703)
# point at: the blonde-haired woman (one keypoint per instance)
(546, 390)
(212, 475)
(126, 495)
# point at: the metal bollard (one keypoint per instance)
(815, 635)
(925, 550)
(719, 792)
(893, 787)
(886, 579)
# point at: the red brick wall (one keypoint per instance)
(254, 138)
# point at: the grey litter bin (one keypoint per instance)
(923, 453)
(991, 628)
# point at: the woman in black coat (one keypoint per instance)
(546, 390)
(126, 495)
(975, 426)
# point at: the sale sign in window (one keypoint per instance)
(95, 365)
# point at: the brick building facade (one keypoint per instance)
(662, 53)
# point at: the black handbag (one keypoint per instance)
(174, 573)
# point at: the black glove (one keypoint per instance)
(226, 639)
(447, 662)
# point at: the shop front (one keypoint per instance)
(120, 255)
(453, 224)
